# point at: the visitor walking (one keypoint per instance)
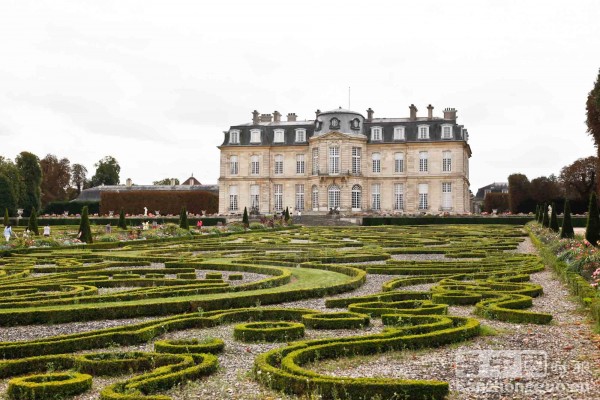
(8, 232)
(47, 231)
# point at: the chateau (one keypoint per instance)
(344, 161)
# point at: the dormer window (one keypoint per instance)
(446, 131)
(278, 136)
(255, 136)
(376, 133)
(318, 125)
(399, 133)
(355, 124)
(334, 123)
(234, 136)
(423, 131)
(300, 135)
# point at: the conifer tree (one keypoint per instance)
(287, 214)
(592, 229)
(545, 219)
(85, 232)
(245, 219)
(553, 219)
(32, 224)
(537, 213)
(183, 219)
(122, 223)
(6, 218)
(567, 226)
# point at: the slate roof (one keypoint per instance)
(496, 187)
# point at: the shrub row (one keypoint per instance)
(339, 320)
(268, 331)
(193, 346)
(48, 386)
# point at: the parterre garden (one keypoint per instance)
(162, 299)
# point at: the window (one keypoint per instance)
(300, 135)
(334, 123)
(334, 197)
(446, 196)
(355, 124)
(234, 136)
(398, 196)
(376, 157)
(423, 161)
(300, 197)
(398, 162)
(254, 197)
(399, 133)
(278, 190)
(233, 198)
(254, 165)
(376, 133)
(376, 196)
(334, 160)
(423, 193)
(315, 161)
(356, 197)
(315, 198)
(278, 164)
(446, 161)
(446, 131)
(299, 163)
(423, 131)
(278, 136)
(255, 136)
(356, 160)
(233, 165)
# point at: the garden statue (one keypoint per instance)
(145, 211)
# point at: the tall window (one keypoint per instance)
(446, 161)
(233, 198)
(254, 165)
(254, 197)
(356, 160)
(423, 199)
(376, 196)
(300, 135)
(255, 136)
(278, 136)
(446, 195)
(446, 131)
(233, 165)
(398, 196)
(376, 133)
(356, 197)
(234, 137)
(334, 160)
(315, 161)
(299, 163)
(423, 167)
(278, 190)
(398, 162)
(376, 162)
(398, 133)
(334, 197)
(315, 198)
(423, 131)
(300, 197)
(278, 164)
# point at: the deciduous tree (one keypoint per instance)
(519, 194)
(579, 178)
(8, 199)
(56, 177)
(166, 181)
(31, 178)
(592, 106)
(545, 189)
(78, 177)
(107, 172)
(495, 201)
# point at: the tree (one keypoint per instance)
(545, 189)
(287, 214)
(495, 201)
(122, 223)
(31, 177)
(78, 177)
(32, 224)
(592, 106)
(245, 220)
(10, 171)
(85, 232)
(579, 178)
(56, 177)
(8, 198)
(553, 219)
(166, 181)
(183, 219)
(6, 218)
(519, 193)
(567, 231)
(545, 219)
(592, 229)
(107, 172)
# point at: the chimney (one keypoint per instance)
(450, 114)
(317, 113)
(370, 114)
(430, 112)
(276, 116)
(291, 117)
(172, 181)
(266, 117)
(128, 182)
(255, 115)
(413, 112)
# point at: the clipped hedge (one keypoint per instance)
(268, 331)
(339, 320)
(194, 346)
(48, 386)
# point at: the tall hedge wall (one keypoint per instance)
(373, 221)
(167, 202)
(59, 207)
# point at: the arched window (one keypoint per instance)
(334, 197)
(315, 198)
(356, 198)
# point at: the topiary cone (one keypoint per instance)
(567, 231)
(592, 229)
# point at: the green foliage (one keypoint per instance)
(592, 106)
(245, 220)
(32, 224)
(8, 198)
(85, 232)
(107, 172)
(567, 231)
(48, 386)
(519, 193)
(183, 219)
(545, 218)
(122, 223)
(287, 214)
(166, 182)
(31, 175)
(553, 219)
(592, 230)
(6, 220)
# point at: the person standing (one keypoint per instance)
(8, 232)
(47, 231)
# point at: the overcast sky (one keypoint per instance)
(155, 83)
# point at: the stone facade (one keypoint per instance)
(345, 161)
